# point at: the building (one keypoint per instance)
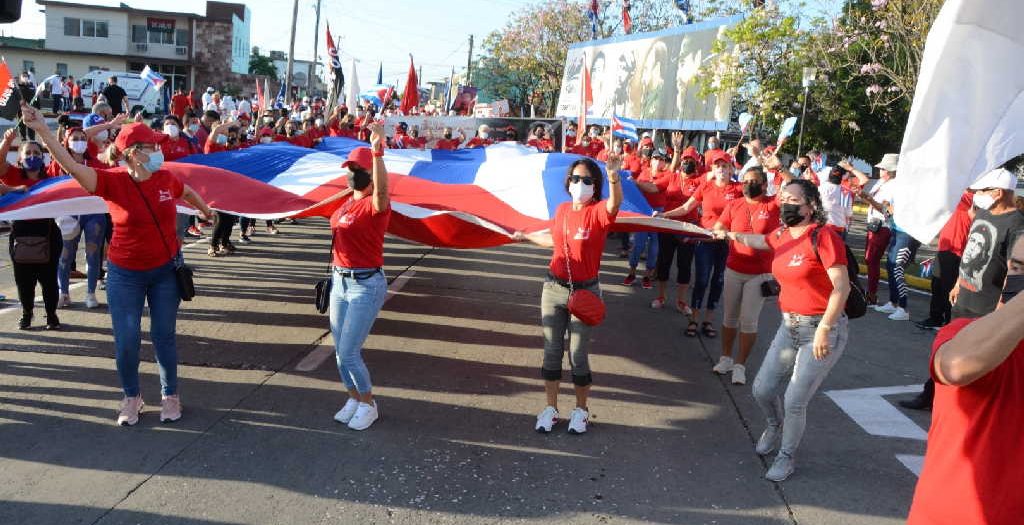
(188, 49)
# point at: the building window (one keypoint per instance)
(181, 37)
(29, 65)
(72, 26)
(161, 37)
(62, 69)
(95, 68)
(139, 34)
(102, 29)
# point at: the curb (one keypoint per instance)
(919, 283)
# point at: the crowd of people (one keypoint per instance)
(775, 231)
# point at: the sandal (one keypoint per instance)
(691, 329)
(708, 329)
(683, 307)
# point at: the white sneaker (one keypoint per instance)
(900, 315)
(364, 417)
(345, 414)
(769, 440)
(64, 301)
(547, 419)
(578, 420)
(739, 375)
(886, 308)
(90, 300)
(724, 365)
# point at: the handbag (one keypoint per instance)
(587, 306)
(322, 299)
(31, 250)
(182, 273)
(770, 288)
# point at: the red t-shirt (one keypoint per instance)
(358, 233)
(477, 142)
(15, 176)
(661, 179)
(713, 199)
(801, 274)
(76, 91)
(175, 149)
(595, 147)
(53, 169)
(415, 142)
(953, 236)
(541, 144)
(588, 228)
(303, 141)
(136, 244)
(179, 103)
(679, 191)
(632, 163)
(761, 216)
(972, 471)
(448, 144)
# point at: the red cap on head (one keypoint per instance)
(266, 132)
(690, 152)
(646, 141)
(137, 133)
(716, 155)
(362, 157)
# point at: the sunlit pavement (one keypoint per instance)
(455, 358)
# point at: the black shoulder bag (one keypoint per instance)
(322, 288)
(183, 274)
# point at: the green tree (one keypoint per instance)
(261, 64)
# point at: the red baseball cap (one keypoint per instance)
(716, 155)
(690, 153)
(361, 157)
(137, 133)
(646, 141)
(266, 132)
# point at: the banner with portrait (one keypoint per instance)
(432, 128)
(648, 77)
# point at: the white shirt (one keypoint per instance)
(881, 192)
(207, 99)
(56, 86)
(244, 107)
(837, 213)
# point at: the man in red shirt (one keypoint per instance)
(946, 265)
(972, 470)
(415, 141)
(540, 140)
(179, 104)
(482, 138)
(446, 142)
(176, 145)
(399, 140)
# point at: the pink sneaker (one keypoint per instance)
(629, 280)
(170, 409)
(131, 407)
(646, 283)
(658, 303)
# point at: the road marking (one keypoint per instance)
(318, 355)
(878, 417)
(39, 299)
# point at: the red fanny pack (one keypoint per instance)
(587, 306)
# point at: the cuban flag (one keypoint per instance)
(152, 77)
(471, 198)
(593, 12)
(625, 128)
(378, 95)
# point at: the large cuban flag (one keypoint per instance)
(462, 199)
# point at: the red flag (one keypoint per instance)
(332, 51)
(627, 20)
(259, 94)
(411, 97)
(586, 97)
(9, 96)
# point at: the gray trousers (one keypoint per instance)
(790, 375)
(557, 323)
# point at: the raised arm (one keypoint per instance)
(677, 147)
(613, 167)
(981, 346)
(85, 175)
(114, 123)
(5, 147)
(381, 199)
(862, 179)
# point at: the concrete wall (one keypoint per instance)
(46, 62)
(116, 42)
(212, 62)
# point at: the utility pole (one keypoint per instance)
(316, 46)
(291, 55)
(469, 63)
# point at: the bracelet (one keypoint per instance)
(378, 153)
(616, 181)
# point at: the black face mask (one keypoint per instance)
(753, 189)
(358, 179)
(1014, 286)
(689, 168)
(791, 215)
(835, 179)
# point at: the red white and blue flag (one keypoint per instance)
(625, 128)
(462, 199)
(154, 78)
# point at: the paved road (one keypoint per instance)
(455, 357)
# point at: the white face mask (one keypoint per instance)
(581, 192)
(984, 201)
(103, 135)
(484, 135)
(78, 146)
(319, 122)
(266, 140)
(172, 130)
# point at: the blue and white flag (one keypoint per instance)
(625, 128)
(152, 77)
(279, 101)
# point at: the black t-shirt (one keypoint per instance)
(983, 265)
(115, 97)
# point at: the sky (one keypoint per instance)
(436, 32)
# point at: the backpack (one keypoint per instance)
(856, 302)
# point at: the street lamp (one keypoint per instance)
(806, 82)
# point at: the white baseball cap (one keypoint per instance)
(999, 179)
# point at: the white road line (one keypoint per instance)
(875, 415)
(912, 462)
(39, 299)
(318, 355)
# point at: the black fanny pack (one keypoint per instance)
(575, 284)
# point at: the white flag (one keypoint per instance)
(352, 93)
(967, 112)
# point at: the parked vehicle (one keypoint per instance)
(142, 96)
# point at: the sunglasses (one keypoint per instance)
(586, 179)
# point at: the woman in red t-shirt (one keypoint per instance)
(746, 271)
(358, 284)
(684, 184)
(578, 232)
(809, 262)
(144, 252)
(709, 256)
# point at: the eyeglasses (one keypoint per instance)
(586, 179)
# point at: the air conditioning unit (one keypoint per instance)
(141, 48)
(181, 50)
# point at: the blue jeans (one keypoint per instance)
(354, 306)
(127, 290)
(902, 250)
(94, 227)
(644, 241)
(709, 264)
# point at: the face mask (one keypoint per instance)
(103, 135)
(78, 146)
(689, 168)
(447, 136)
(655, 164)
(156, 159)
(618, 149)
(983, 201)
(172, 131)
(712, 145)
(358, 180)
(791, 215)
(835, 179)
(753, 189)
(192, 128)
(484, 135)
(318, 122)
(266, 140)
(581, 192)
(593, 134)
(796, 172)
(32, 163)
(1014, 285)
(570, 133)
(222, 139)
